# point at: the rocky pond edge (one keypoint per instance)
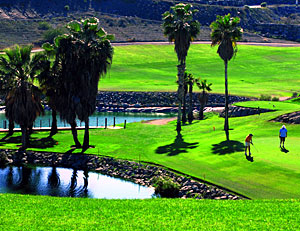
(139, 173)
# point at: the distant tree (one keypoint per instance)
(82, 56)
(22, 101)
(225, 33)
(180, 28)
(203, 96)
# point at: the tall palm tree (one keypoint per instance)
(50, 82)
(180, 28)
(203, 96)
(225, 33)
(82, 56)
(190, 80)
(23, 103)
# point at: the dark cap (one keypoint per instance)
(250, 134)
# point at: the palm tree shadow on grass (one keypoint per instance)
(47, 142)
(177, 147)
(11, 140)
(228, 147)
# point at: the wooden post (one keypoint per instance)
(105, 123)
(114, 121)
(124, 124)
(4, 124)
(97, 121)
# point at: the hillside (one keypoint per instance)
(23, 21)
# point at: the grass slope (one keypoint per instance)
(255, 69)
(19, 212)
(202, 151)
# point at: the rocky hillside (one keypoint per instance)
(140, 20)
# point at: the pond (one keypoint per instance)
(97, 119)
(65, 182)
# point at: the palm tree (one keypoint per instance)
(203, 96)
(82, 56)
(50, 82)
(180, 28)
(23, 103)
(185, 90)
(225, 33)
(5, 86)
(190, 80)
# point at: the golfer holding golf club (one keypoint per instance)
(248, 141)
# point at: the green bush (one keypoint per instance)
(265, 97)
(263, 4)
(275, 98)
(44, 26)
(165, 186)
(50, 34)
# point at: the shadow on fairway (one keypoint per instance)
(47, 142)
(284, 150)
(11, 140)
(177, 147)
(228, 147)
(249, 158)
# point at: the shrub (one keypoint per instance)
(44, 26)
(50, 34)
(275, 98)
(263, 4)
(165, 186)
(295, 94)
(265, 97)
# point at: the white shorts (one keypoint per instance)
(247, 144)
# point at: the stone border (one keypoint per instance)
(290, 118)
(129, 170)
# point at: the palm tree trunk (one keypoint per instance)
(201, 111)
(226, 124)
(11, 126)
(190, 114)
(24, 136)
(180, 93)
(184, 104)
(86, 139)
(74, 133)
(54, 123)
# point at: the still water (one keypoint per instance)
(97, 119)
(65, 182)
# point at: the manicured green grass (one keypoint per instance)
(203, 152)
(19, 212)
(255, 70)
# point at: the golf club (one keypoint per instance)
(255, 147)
